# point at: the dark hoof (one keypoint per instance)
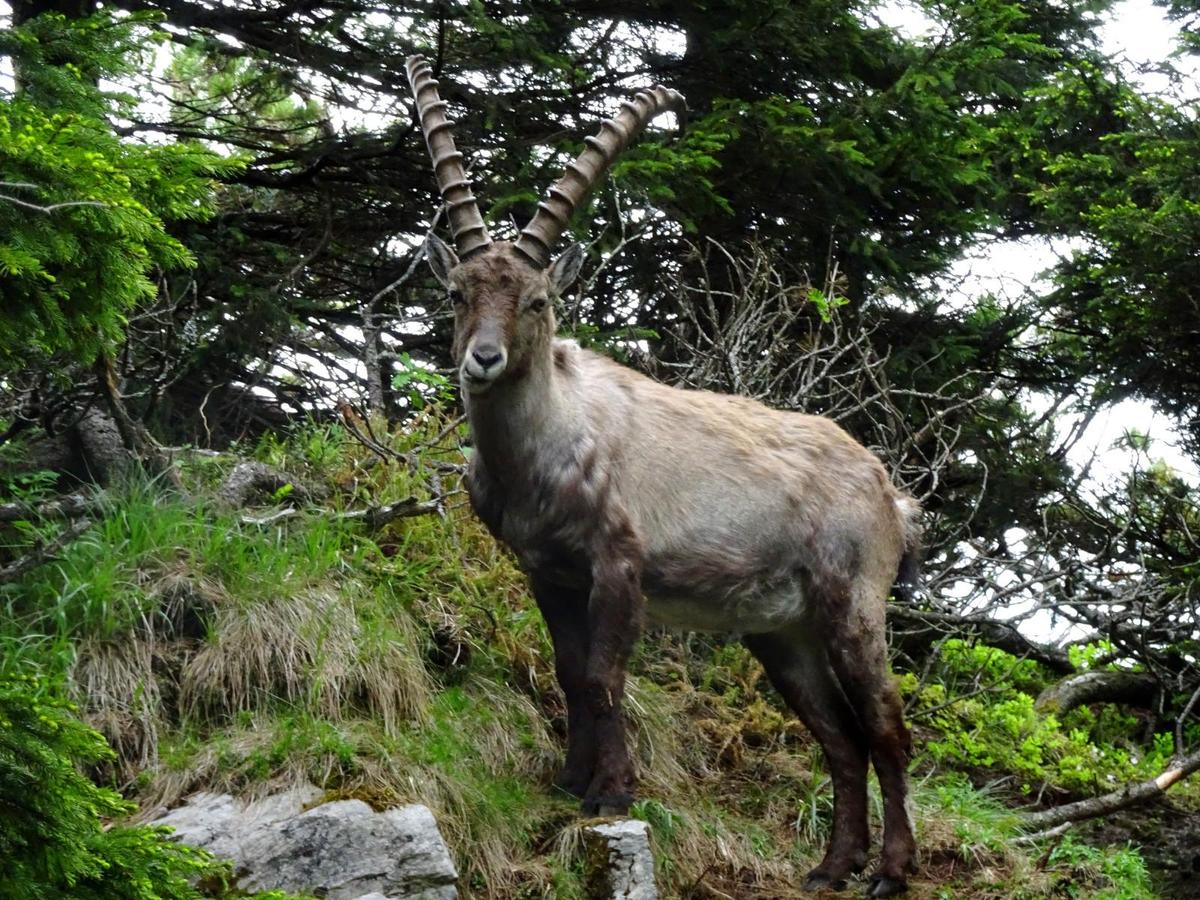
(884, 886)
(607, 805)
(817, 880)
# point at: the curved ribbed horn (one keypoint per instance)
(470, 234)
(538, 237)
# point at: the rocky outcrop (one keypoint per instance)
(620, 865)
(342, 850)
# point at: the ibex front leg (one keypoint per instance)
(614, 619)
(566, 613)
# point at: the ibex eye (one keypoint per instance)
(456, 297)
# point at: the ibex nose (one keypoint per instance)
(487, 356)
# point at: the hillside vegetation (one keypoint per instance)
(235, 552)
(239, 650)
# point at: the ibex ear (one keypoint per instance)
(565, 269)
(441, 258)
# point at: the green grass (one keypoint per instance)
(1105, 874)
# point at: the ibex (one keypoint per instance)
(625, 500)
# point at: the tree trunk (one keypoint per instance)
(138, 442)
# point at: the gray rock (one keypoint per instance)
(208, 821)
(250, 482)
(219, 823)
(342, 850)
(620, 865)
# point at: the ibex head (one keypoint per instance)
(503, 292)
(503, 308)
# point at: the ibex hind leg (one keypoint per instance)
(799, 668)
(854, 625)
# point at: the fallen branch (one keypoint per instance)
(44, 552)
(70, 506)
(1131, 795)
(378, 516)
(1137, 688)
(272, 518)
(374, 517)
(250, 480)
(1054, 832)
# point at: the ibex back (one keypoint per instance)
(626, 500)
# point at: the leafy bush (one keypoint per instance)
(981, 702)
(1112, 874)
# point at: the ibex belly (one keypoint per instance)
(756, 609)
(725, 563)
(723, 589)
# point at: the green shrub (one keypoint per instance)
(52, 839)
(1104, 874)
(981, 703)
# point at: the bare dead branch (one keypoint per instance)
(70, 506)
(1130, 795)
(375, 517)
(44, 552)
(1138, 688)
(37, 207)
(1000, 635)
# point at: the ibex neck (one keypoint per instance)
(516, 420)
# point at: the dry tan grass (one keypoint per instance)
(185, 601)
(259, 652)
(310, 649)
(126, 685)
(114, 683)
(389, 674)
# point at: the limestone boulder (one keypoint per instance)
(342, 850)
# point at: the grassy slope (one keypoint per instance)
(409, 665)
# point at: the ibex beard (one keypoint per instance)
(627, 501)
